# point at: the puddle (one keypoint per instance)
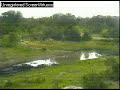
(82, 55)
(89, 55)
(29, 65)
(36, 63)
(47, 62)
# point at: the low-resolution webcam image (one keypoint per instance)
(59, 45)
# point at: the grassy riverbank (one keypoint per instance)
(31, 50)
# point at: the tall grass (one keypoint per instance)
(93, 81)
(60, 76)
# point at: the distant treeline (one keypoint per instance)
(58, 26)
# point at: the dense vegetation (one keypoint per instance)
(63, 27)
(26, 39)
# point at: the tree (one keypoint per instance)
(71, 34)
(10, 40)
(84, 33)
(11, 17)
(9, 21)
(105, 33)
(64, 19)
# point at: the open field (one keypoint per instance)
(57, 76)
(61, 75)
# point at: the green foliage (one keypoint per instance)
(105, 33)
(7, 83)
(10, 40)
(11, 17)
(85, 36)
(56, 83)
(60, 76)
(64, 19)
(93, 81)
(44, 49)
(84, 33)
(34, 80)
(54, 32)
(113, 70)
(9, 21)
(72, 34)
(59, 26)
(0, 85)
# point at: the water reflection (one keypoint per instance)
(66, 59)
(47, 62)
(89, 55)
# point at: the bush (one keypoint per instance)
(85, 36)
(93, 81)
(105, 33)
(56, 83)
(113, 69)
(7, 83)
(0, 85)
(72, 35)
(10, 40)
(44, 49)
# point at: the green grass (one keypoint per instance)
(34, 49)
(56, 76)
(98, 37)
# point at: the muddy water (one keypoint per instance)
(89, 55)
(47, 62)
(78, 56)
(66, 58)
(82, 55)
